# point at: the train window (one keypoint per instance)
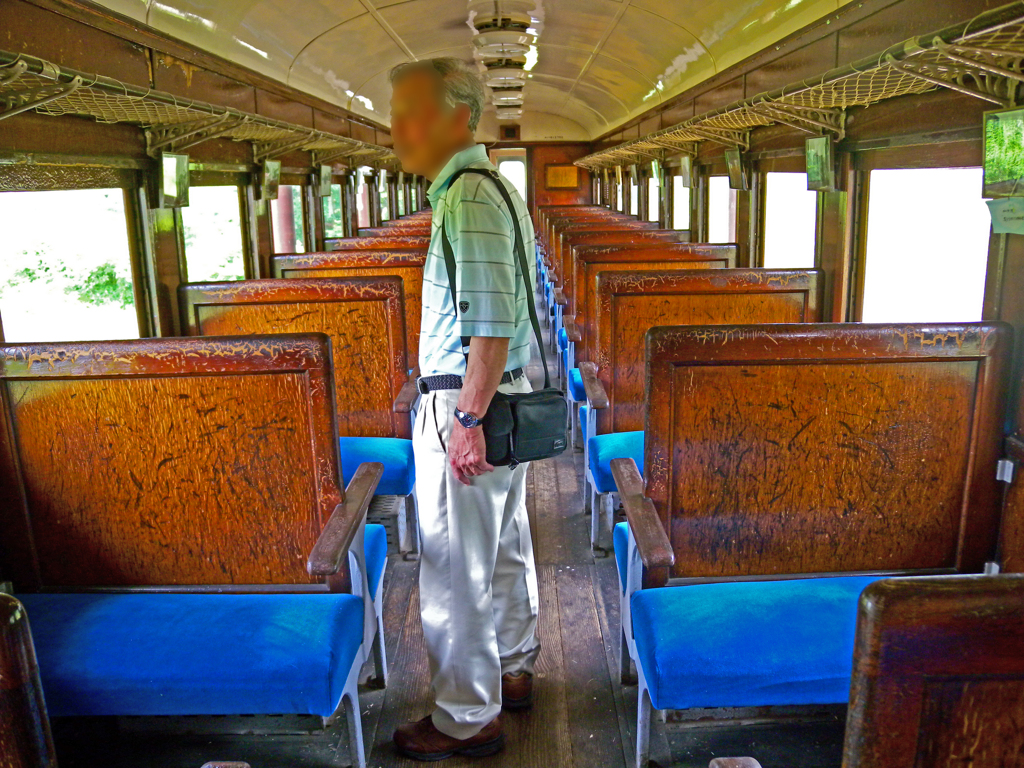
(680, 204)
(289, 226)
(71, 282)
(927, 246)
(790, 221)
(401, 201)
(385, 207)
(514, 170)
(634, 198)
(653, 200)
(334, 219)
(213, 234)
(618, 197)
(721, 211)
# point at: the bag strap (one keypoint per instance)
(520, 249)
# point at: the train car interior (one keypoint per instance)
(776, 253)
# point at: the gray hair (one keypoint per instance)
(460, 83)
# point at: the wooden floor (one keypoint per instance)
(582, 716)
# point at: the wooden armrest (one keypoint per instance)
(651, 540)
(572, 331)
(225, 764)
(560, 298)
(734, 762)
(328, 553)
(597, 398)
(406, 397)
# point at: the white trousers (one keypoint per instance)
(478, 580)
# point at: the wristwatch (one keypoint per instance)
(468, 420)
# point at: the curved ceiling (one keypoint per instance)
(599, 63)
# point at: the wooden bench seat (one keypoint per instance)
(382, 243)
(778, 452)
(407, 264)
(153, 479)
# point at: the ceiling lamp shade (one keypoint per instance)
(509, 113)
(486, 14)
(510, 96)
(504, 43)
(505, 77)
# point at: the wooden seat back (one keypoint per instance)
(382, 243)
(615, 233)
(421, 229)
(803, 449)
(1011, 533)
(165, 461)
(595, 218)
(25, 739)
(938, 675)
(631, 303)
(363, 316)
(407, 265)
(590, 261)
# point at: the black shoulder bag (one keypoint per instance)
(517, 427)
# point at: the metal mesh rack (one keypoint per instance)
(171, 123)
(981, 57)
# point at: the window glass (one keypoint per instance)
(362, 201)
(515, 171)
(382, 191)
(401, 200)
(213, 234)
(721, 211)
(927, 246)
(286, 215)
(71, 282)
(790, 221)
(334, 219)
(634, 198)
(680, 204)
(653, 200)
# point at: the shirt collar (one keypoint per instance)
(467, 157)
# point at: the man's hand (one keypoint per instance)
(467, 452)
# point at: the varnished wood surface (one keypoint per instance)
(25, 740)
(617, 235)
(363, 316)
(589, 262)
(938, 674)
(407, 265)
(381, 243)
(900, 427)
(1012, 532)
(166, 462)
(631, 303)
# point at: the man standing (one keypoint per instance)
(478, 582)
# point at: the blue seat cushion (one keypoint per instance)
(584, 411)
(394, 453)
(576, 390)
(601, 449)
(191, 654)
(748, 644)
(375, 545)
(620, 544)
(563, 339)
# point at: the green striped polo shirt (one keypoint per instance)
(489, 283)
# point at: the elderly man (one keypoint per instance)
(478, 582)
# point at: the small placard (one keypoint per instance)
(1007, 215)
(561, 177)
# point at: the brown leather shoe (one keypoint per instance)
(517, 690)
(422, 741)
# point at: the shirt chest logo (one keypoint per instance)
(463, 306)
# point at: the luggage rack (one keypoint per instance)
(981, 58)
(171, 123)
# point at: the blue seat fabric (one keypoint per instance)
(194, 654)
(563, 339)
(748, 644)
(375, 545)
(620, 543)
(394, 453)
(601, 449)
(584, 411)
(576, 390)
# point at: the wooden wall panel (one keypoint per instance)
(541, 155)
(801, 64)
(179, 77)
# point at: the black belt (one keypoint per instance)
(427, 384)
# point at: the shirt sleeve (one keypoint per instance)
(481, 235)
